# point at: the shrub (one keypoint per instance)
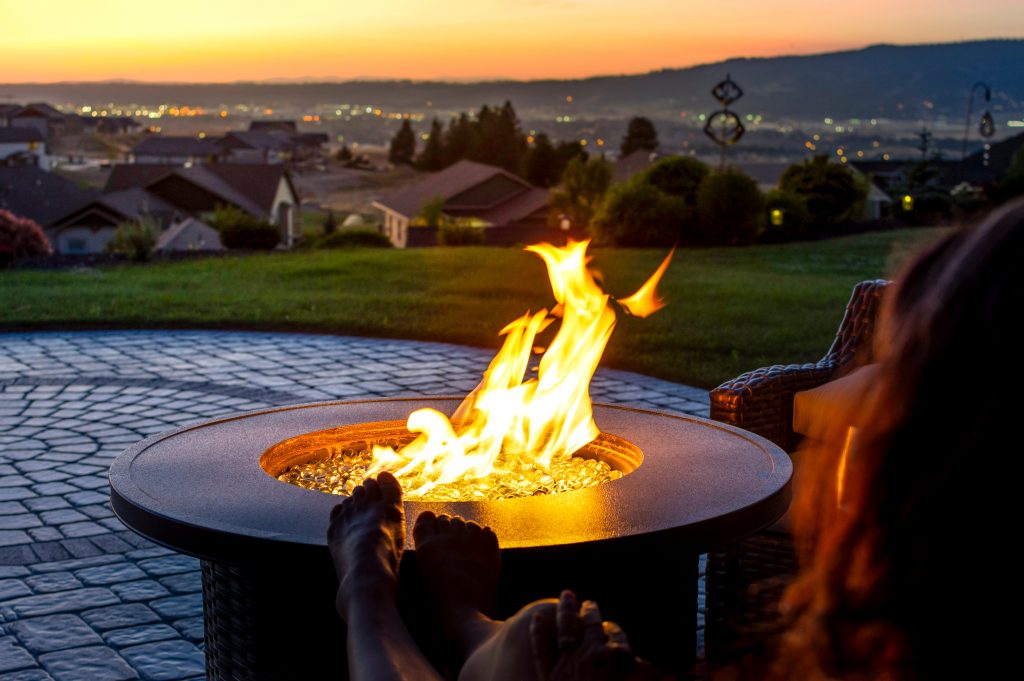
(241, 230)
(637, 214)
(795, 218)
(458, 233)
(729, 208)
(678, 176)
(330, 223)
(256, 235)
(355, 238)
(135, 240)
(21, 237)
(831, 191)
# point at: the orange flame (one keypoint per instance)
(646, 301)
(509, 416)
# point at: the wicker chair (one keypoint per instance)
(745, 580)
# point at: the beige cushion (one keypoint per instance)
(833, 407)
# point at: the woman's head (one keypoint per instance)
(896, 573)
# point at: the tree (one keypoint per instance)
(497, 139)
(729, 206)
(1012, 183)
(584, 184)
(640, 134)
(459, 139)
(432, 213)
(432, 157)
(638, 214)
(830, 190)
(344, 154)
(567, 151)
(21, 237)
(792, 217)
(679, 176)
(541, 164)
(135, 240)
(403, 145)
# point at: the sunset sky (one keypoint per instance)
(214, 40)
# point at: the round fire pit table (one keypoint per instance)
(268, 585)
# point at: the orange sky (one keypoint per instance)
(217, 40)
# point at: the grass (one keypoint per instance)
(729, 310)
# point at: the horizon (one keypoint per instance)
(322, 80)
(467, 41)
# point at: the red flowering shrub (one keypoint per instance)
(21, 237)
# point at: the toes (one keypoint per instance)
(372, 489)
(358, 494)
(488, 539)
(390, 488)
(444, 524)
(425, 526)
(335, 512)
(458, 526)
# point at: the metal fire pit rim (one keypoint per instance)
(214, 542)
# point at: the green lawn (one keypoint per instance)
(729, 309)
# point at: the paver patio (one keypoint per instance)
(82, 598)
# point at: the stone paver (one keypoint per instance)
(83, 598)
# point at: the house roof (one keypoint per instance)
(251, 187)
(517, 208)
(38, 110)
(270, 140)
(43, 197)
(453, 180)
(173, 145)
(278, 124)
(18, 135)
(177, 237)
(132, 203)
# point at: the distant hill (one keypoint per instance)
(886, 81)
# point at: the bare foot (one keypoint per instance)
(460, 564)
(366, 537)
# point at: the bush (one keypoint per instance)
(135, 240)
(243, 231)
(256, 235)
(637, 214)
(729, 208)
(796, 221)
(355, 238)
(678, 176)
(831, 191)
(456, 233)
(21, 237)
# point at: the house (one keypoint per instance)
(276, 124)
(6, 111)
(117, 125)
(259, 146)
(39, 116)
(89, 227)
(189, 235)
(172, 194)
(23, 145)
(31, 193)
(177, 150)
(508, 208)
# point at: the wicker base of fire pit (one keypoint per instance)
(268, 584)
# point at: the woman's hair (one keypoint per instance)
(899, 572)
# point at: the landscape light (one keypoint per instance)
(908, 202)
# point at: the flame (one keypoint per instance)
(646, 301)
(508, 416)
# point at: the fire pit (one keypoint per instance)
(630, 543)
(614, 503)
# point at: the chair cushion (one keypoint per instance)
(821, 412)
